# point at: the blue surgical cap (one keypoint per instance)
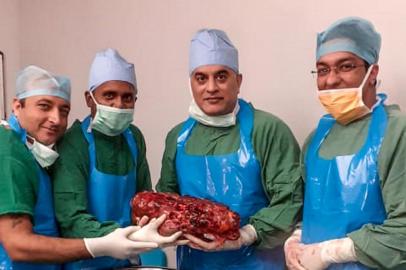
(35, 81)
(109, 65)
(212, 47)
(351, 34)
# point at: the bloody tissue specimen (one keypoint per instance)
(198, 217)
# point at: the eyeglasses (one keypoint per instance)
(342, 68)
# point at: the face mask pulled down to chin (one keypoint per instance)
(226, 120)
(43, 154)
(346, 104)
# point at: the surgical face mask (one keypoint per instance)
(345, 105)
(44, 155)
(215, 121)
(111, 121)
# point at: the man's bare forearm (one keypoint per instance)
(22, 244)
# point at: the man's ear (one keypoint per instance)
(88, 99)
(16, 106)
(239, 81)
(374, 75)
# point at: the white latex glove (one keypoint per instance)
(248, 235)
(141, 221)
(149, 233)
(144, 220)
(293, 247)
(319, 256)
(116, 244)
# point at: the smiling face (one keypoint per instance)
(336, 79)
(45, 118)
(215, 89)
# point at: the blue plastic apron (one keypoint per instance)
(44, 214)
(109, 198)
(344, 193)
(234, 180)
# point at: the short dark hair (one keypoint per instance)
(367, 65)
(22, 102)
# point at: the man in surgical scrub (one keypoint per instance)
(28, 230)
(354, 162)
(229, 152)
(102, 162)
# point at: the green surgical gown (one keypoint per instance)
(278, 154)
(377, 246)
(19, 178)
(71, 172)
